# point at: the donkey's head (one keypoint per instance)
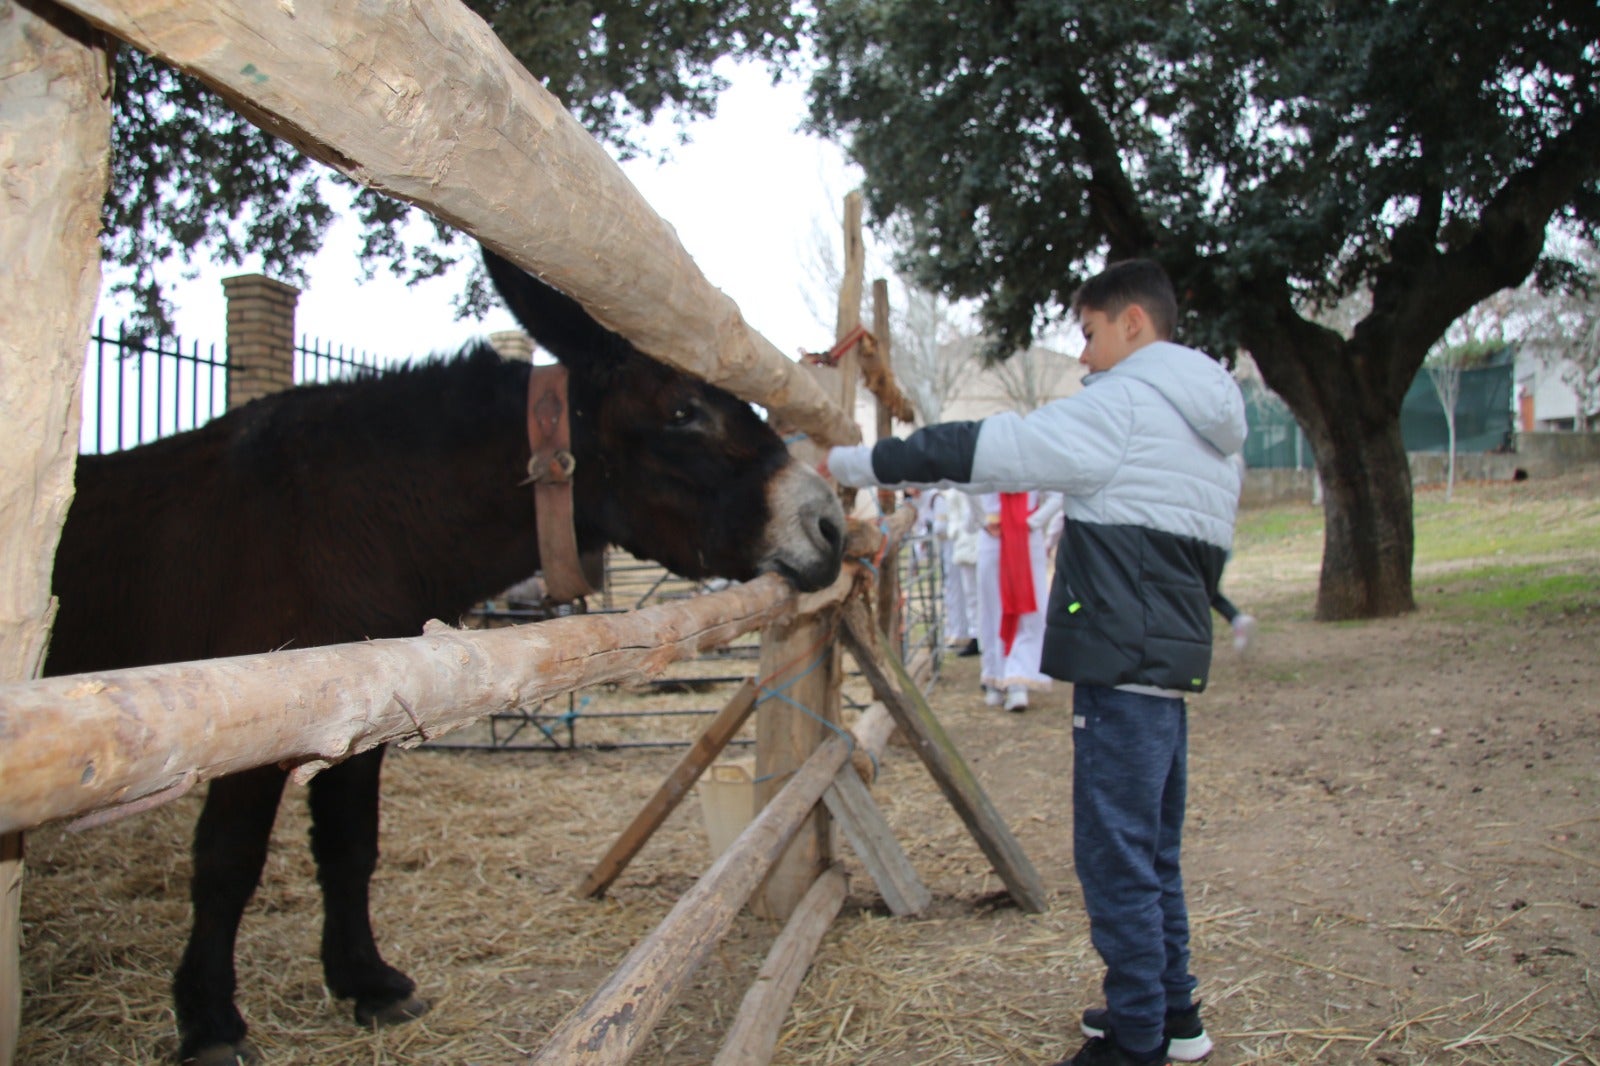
(671, 468)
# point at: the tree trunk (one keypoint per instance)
(1366, 506)
(1348, 402)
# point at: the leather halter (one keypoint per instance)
(550, 470)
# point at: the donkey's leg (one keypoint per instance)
(230, 848)
(344, 840)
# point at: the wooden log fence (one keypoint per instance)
(426, 105)
(102, 743)
(610, 1026)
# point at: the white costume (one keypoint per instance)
(1013, 673)
(958, 552)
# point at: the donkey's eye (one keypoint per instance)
(683, 416)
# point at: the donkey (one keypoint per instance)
(358, 510)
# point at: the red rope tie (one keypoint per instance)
(832, 356)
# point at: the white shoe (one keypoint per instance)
(993, 697)
(1016, 698)
(1244, 631)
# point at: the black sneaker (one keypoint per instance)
(1186, 1035)
(971, 649)
(1103, 1051)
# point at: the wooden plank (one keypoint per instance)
(753, 1035)
(800, 699)
(955, 779)
(92, 742)
(851, 289)
(877, 366)
(55, 122)
(889, 573)
(707, 746)
(875, 845)
(10, 944)
(421, 101)
(609, 1028)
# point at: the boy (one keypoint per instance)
(1142, 457)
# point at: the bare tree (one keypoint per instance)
(934, 340)
(1582, 370)
(1032, 377)
(1559, 327)
(1444, 370)
(933, 346)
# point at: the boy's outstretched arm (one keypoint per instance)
(933, 455)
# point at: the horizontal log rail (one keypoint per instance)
(99, 745)
(125, 740)
(422, 102)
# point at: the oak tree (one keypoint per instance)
(1276, 156)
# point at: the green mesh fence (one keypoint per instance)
(1484, 419)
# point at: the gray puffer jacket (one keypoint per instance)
(1142, 455)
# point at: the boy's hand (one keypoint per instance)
(822, 468)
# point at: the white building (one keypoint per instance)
(1545, 397)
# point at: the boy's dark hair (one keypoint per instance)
(1131, 281)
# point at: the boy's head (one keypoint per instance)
(1123, 308)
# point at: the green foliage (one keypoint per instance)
(192, 182)
(1263, 150)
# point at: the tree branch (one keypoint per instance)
(1416, 299)
(1113, 201)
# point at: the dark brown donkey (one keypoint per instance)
(360, 510)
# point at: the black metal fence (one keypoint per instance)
(317, 361)
(137, 390)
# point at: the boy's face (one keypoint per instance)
(1109, 339)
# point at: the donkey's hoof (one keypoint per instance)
(243, 1053)
(397, 1012)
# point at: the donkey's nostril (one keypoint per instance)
(831, 533)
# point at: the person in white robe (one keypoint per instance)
(1009, 672)
(957, 537)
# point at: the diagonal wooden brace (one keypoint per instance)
(890, 683)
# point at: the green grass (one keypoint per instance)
(1471, 528)
(1284, 525)
(1494, 550)
(1543, 590)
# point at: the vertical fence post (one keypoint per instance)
(260, 336)
(54, 161)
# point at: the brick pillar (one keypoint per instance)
(260, 336)
(512, 344)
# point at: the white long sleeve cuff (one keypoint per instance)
(852, 465)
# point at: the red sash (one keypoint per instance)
(1016, 566)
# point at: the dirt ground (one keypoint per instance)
(1393, 855)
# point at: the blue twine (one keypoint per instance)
(779, 693)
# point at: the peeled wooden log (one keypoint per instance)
(421, 101)
(126, 740)
(753, 1035)
(610, 1026)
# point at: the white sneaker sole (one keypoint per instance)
(1181, 1049)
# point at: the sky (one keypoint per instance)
(745, 195)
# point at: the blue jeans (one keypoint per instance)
(1130, 776)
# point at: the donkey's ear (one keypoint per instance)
(555, 320)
